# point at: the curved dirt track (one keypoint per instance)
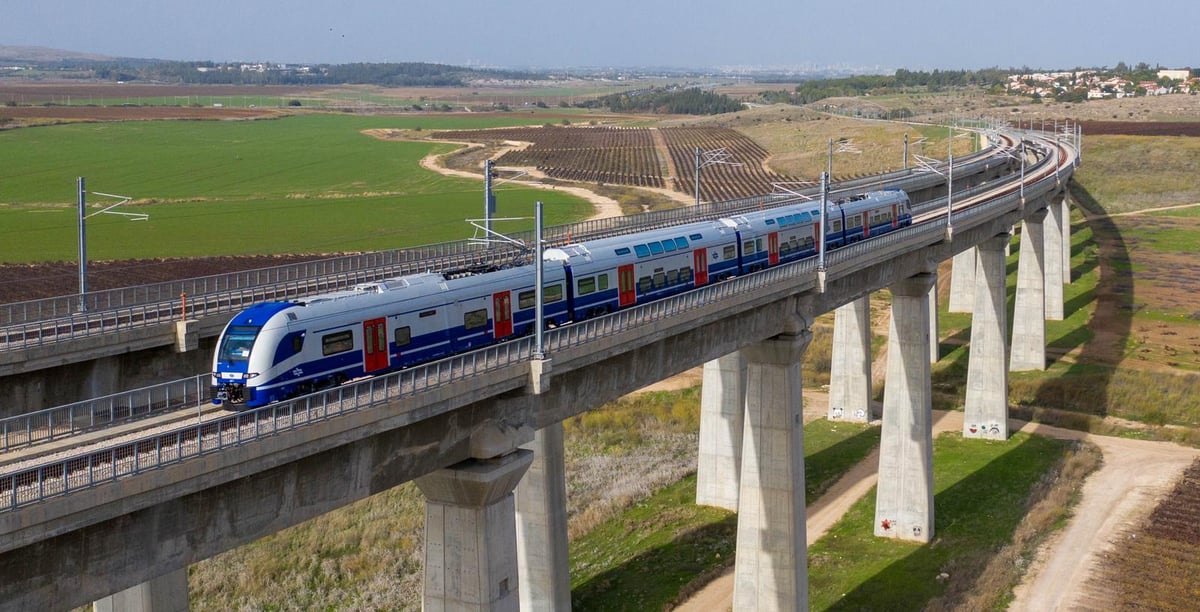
(1134, 476)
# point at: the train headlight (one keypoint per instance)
(251, 375)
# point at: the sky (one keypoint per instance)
(879, 34)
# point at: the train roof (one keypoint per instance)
(603, 250)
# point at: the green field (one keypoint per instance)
(311, 183)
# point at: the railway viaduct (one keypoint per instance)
(472, 427)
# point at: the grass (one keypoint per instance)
(311, 183)
(657, 550)
(1126, 173)
(982, 491)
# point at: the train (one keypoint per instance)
(274, 351)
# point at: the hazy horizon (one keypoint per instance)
(621, 33)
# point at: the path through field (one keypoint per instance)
(1135, 475)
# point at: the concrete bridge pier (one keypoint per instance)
(771, 570)
(935, 349)
(1052, 265)
(985, 413)
(1065, 207)
(850, 370)
(1029, 314)
(470, 535)
(542, 558)
(962, 282)
(166, 593)
(904, 501)
(722, 414)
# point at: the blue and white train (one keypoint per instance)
(277, 350)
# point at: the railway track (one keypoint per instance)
(46, 459)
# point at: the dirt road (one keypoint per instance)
(1134, 476)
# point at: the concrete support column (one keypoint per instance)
(985, 414)
(722, 414)
(1029, 314)
(904, 500)
(470, 535)
(771, 571)
(1065, 206)
(1052, 263)
(542, 559)
(935, 349)
(850, 369)
(962, 282)
(167, 593)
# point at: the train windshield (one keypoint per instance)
(237, 342)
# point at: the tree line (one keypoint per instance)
(664, 100)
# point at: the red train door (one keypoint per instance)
(866, 225)
(700, 259)
(502, 325)
(625, 293)
(773, 248)
(375, 345)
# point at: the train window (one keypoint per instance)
(747, 247)
(730, 252)
(673, 277)
(340, 342)
(552, 293)
(660, 280)
(525, 300)
(623, 251)
(772, 222)
(655, 248)
(403, 336)
(837, 225)
(475, 319)
(685, 274)
(696, 237)
(428, 313)
(297, 342)
(642, 250)
(681, 242)
(645, 284)
(668, 245)
(237, 343)
(758, 245)
(587, 285)
(602, 282)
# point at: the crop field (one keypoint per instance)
(637, 157)
(302, 184)
(1156, 566)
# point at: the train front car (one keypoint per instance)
(244, 352)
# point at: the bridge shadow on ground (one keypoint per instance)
(974, 518)
(666, 574)
(1085, 385)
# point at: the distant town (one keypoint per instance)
(1096, 85)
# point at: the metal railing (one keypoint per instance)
(38, 322)
(96, 467)
(73, 419)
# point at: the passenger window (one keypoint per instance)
(655, 248)
(340, 342)
(730, 252)
(475, 319)
(645, 284)
(552, 293)
(685, 274)
(758, 245)
(587, 285)
(748, 247)
(525, 300)
(673, 277)
(668, 245)
(681, 242)
(660, 280)
(642, 250)
(602, 282)
(403, 336)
